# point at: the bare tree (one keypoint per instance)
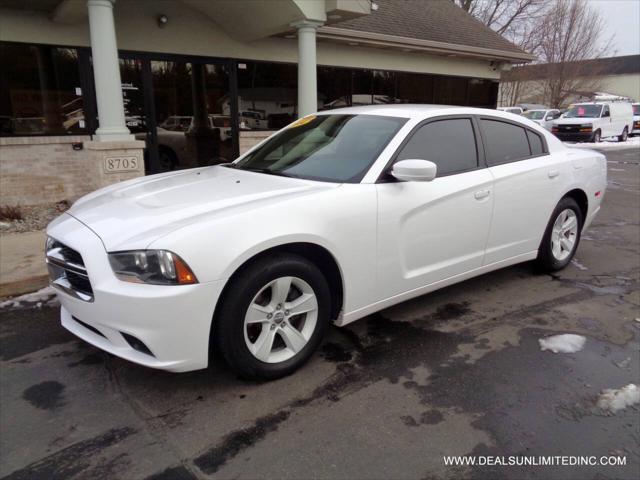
(571, 32)
(516, 20)
(507, 17)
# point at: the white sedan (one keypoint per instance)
(339, 215)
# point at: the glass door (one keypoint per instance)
(180, 108)
(189, 99)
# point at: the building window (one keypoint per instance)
(40, 92)
(334, 87)
(450, 91)
(483, 93)
(267, 95)
(362, 83)
(414, 88)
(384, 87)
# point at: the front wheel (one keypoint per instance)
(624, 136)
(273, 317)
(561, 237)
(596, 137)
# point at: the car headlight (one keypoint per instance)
(157, 267)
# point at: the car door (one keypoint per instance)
(607, 124)
(527, 184)
(430, 231)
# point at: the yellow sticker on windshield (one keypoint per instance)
(302, 121)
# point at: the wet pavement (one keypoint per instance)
(456, 372)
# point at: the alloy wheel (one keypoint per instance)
(564, 234)
(280, 319)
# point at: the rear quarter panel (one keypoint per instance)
(590, 175)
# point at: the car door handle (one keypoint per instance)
(553, 173)
(479, 195)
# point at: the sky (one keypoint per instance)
(622, 19)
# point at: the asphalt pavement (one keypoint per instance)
(456, 372)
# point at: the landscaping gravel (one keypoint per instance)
(33, 218)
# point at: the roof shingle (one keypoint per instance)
(435, 20)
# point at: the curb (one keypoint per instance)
(20, 287)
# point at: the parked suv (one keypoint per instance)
(516, 110)
(590, 122)
(543, 117)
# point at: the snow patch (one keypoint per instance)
(615, 400)
(43, 295)
(609, 143)
(579, 265)
(565, 343)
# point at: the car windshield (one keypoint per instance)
(584, 111)
(636, 109)
(330, 148)
(535, 114)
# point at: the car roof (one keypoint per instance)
(408, 110)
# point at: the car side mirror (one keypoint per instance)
(414, 170)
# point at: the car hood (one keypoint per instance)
(133, 214)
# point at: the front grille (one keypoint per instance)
(67, 271)
(569, 128)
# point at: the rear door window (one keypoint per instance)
(535, 142)
(504, 142)
(449, 143)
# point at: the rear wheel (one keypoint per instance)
(624, 136)
(596, 137)
(561, 237)
(273, 317)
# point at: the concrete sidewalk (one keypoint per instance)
(22, 266)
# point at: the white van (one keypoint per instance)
(592, 121)
(636, 119)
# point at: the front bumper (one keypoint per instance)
(574, 136)
(173, 322)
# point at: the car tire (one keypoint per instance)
(167, 159)
(561, 237)
(253, 313)
(596, 137)
(624, 136)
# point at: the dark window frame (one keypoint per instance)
(386, 177)
(483, 136)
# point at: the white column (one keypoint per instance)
(106, 71)
(307, 76)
